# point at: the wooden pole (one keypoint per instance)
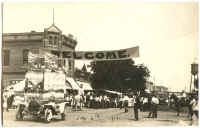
(191, 84)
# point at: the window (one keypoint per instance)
(70, 65)
(56, 53)
(25, 56)
(35, 51)
(59, 63)
(50, 40)
(6, 57)
(64, 62)
(42, 61)
(55, 40)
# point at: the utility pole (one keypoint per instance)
(154, 83)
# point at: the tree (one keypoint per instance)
(118, 75)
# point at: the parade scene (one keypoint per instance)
(50, 78)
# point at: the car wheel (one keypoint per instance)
(62, 116)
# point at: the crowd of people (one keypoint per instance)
(138, 102)
(150, 103)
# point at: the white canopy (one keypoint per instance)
(114, 92)
(73, 83)
(147, 91)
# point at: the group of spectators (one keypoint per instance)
(92, 100)
(137, 102)
(7, 99)
(100, 101)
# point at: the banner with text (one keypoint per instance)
(102, 55)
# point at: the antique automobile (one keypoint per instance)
(41, 109)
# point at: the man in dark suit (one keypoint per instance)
(136, 107)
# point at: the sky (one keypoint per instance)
(166, 33)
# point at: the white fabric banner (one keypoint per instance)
(102, 55)
(54, 81)
(88, 55)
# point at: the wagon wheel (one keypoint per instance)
(48, 115)
(19, 116)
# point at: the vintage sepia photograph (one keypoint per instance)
(99, 64)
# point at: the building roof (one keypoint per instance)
(53, 28)
(26, 36)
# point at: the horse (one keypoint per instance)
(178, 103)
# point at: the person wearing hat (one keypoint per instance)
(125, 102)
(5, 100)
(195, 110)
(155, 102)
(150, 106)
(81, 94)
(121, 102)
(81, 91)
(136, 107)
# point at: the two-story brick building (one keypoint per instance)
(16, 47)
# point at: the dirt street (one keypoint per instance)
(101, 117)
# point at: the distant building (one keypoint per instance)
(160, 89)
(149, 85)
(16, 47)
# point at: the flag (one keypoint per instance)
(50, 60)
(32, 58)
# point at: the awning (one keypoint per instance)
(68, 85)
(147, 91)
(113, 92)
(86, 86)
(18, 86)
(73, 83)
